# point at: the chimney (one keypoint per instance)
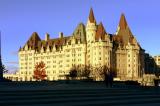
(61, 35)
(46, 37)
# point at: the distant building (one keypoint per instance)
(157, 61)
(150, 64)
(89, 44)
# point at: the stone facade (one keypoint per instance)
(157, 62)
(89, 44)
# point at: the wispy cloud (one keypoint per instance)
(11, 68)
(14, 53)
(12, 62)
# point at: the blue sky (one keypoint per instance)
(20, 18)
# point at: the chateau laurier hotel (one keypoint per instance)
(89, 44)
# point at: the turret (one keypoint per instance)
(47, 37)
(123, 31)
(91, 27)
(100, 34)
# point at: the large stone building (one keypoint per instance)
(89, 44)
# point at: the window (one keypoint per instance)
(67, 65)
(48, 61)
(22, 55)
(74, 54)
(68, 50)
(67, 60)
(73, 59)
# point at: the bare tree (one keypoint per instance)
(87, 71)
(4, 69)
(80, 71)
(73, 72)
(101, 71)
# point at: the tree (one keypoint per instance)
(39, 71)
(80, 71)
(73, 72)
(101, 72)
(86, 70)
(107, 74)
(4, 69)
(110, 71)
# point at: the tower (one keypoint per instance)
(123, 31)
(128, 51)
(91, 27)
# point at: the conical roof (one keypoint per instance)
(34, 37)
(91, 16)
(123, 23)
(33, 40)
(80, 32)
(100, 32)
(123, 32)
